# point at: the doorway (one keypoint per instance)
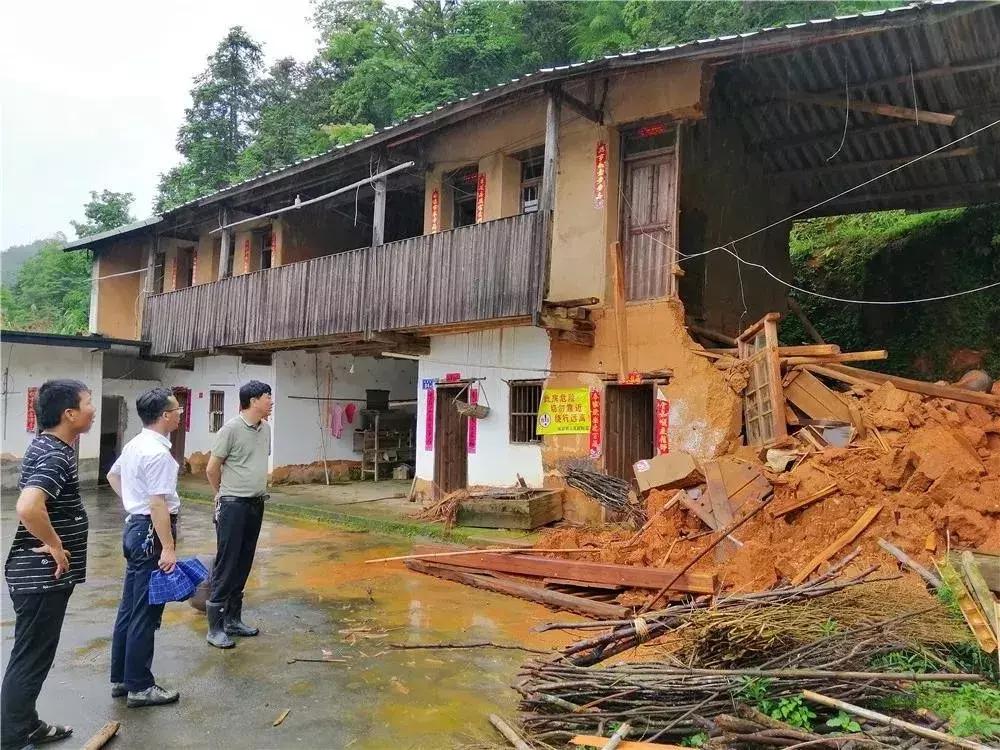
(628, 425)
(113, 418)
(183, 396)
(451, 431)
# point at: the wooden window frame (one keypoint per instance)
(216, 416)
(523, 423)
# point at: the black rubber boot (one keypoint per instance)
(216, 631)
(234, 624)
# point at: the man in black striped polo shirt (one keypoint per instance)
(47, 558)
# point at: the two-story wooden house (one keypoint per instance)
(556, 231)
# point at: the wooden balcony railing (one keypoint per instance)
(482, 272)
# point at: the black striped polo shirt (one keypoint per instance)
(50, 465)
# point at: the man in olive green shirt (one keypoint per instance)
(237, 471)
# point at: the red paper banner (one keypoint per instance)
(429, 421)
(595, 423)
(452, 377)
(246, 255)
(194, 267)
(435, 211)
(173, 272)
(632, 378)
(600, 174)
(473, 423)
(481, 198)
(661, 426)
(29, 419)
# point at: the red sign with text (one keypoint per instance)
(435, 211)
(633, 378)
(600, 174)
(473, 423)
(452, 377)
(429, 421)
(595, 423)
(661, 426)
(481, 198)
(246, 256)
(29, 419)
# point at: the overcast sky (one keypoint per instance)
(93, 94)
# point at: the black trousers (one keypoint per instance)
(36, 637)
(135, 627)
(236, 530)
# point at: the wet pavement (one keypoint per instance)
(308, 587)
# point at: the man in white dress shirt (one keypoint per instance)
(145, 478)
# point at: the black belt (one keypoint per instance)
(234, 498)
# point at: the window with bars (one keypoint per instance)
(463, 188)
(525, 398)
(216, 410)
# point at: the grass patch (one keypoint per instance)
(346, 522)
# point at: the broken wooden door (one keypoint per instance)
(628, 425)
(451, 432)
(649, 208)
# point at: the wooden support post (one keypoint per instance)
(378, 220)
(875, 108)
(227, 241)
(508, 732)
(547, 200)
(621, 329)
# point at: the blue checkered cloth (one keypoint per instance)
(177, 585)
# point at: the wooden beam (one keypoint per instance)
(874, 108)
(591, 113)
(621, 328)
(914, 386)
(955, 153)
(577, 570)
(838, 544)
(553, 111)
(836, 358)
(708, 333)
(900, 195)
(227, 239)
(796, 308)
(579, 604)
(805, 502)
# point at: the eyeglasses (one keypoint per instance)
(179, 408)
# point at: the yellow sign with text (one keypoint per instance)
(564, 411)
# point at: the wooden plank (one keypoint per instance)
(717, 495)
(557, 599)
(838, 544)
(854, 375)
(981, 591)
(581, 584)
(779, 428)
(624, 575)
(804, 502)
(808, 394)
(702, 508)
(875, 108)
(989, 566)
(867, 356)
(593, 740)
(974, 617)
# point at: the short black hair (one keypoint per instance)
(152, 404)
(253, 389)
(55, 397)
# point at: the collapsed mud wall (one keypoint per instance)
(705, 417)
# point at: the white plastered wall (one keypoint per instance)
(301, 423)
(498, 355)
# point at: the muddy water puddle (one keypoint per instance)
(328, 624)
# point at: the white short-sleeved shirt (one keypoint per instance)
(146, 468)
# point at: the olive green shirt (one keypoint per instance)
(244, 450)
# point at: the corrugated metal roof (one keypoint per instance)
(112, 233)
(552, 73)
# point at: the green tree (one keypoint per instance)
(51, 294)
(220, 123)
(104, 211)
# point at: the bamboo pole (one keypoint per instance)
(103, 736)
(616, 739)
(930, 734)
(508, 731)
(506, 550)
(910, 563)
